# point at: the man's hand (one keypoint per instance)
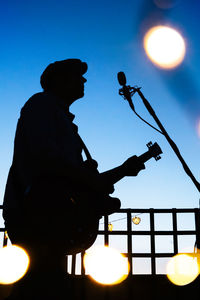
(132, 166)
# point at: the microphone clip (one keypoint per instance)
(128, 91)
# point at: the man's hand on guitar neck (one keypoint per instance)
(132, 166)
(104, 182)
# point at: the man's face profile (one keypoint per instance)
(71, 87)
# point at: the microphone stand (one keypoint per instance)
(127, 92)
(127, 95)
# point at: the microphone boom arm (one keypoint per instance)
(129, 91)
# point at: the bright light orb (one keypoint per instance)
(106, 265)
(182, 269)
(164, 46)
(14, 263)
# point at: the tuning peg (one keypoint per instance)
(149, 144)
(157, 157)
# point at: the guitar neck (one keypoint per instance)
(145, 156)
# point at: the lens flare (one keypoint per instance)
(164, 46)
(198, 128)
(182, 269)
(14, 263)
(166, 4)
(106, 265)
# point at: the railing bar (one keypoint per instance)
(146, 210)
(141, 232)
(82, 264)
(129, 240)
(106, 239)
(156, 210)
(149, 254)
(73, 267)
(5, 239)
(152, 228)
(174, 222)
(197, 225)
(66, 263)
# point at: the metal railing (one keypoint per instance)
(131, 232)
(152, 233)
(2, 230)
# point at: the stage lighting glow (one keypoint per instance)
(198, 128)
(106, 265)
(164, 46)
(14, 263)
(166, 4)
(182, 269)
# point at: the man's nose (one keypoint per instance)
(84, 79)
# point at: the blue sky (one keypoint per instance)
(108, 36)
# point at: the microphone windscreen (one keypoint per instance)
(121, 78)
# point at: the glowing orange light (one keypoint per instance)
(164, 46)
(136, 220)
(106, 265)
(110, 227)
(182, 269)
(14, 263)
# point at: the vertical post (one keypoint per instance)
(73, 270)
(197, 224)
(66, 263)
(152, 232)
(5, 239)
(82, 264)
(129, 240)
(106, 241)
(175, 240)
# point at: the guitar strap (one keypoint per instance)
(90, 162)
(85, 149)
(108, 205)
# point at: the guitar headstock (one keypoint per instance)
(155, 150)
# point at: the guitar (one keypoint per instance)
(89, 207)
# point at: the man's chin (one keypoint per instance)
(78, 96)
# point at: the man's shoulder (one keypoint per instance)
(39, 101)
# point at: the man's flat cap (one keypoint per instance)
(63, 68)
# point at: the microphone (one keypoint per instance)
(121, 78)
(126, 91)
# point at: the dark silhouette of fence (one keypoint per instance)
(176, 232)
(153, 285)
(129, 232)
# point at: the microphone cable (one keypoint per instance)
(135, 89)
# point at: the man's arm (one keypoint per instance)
(131, 167)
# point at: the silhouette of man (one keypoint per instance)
(47, 168)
